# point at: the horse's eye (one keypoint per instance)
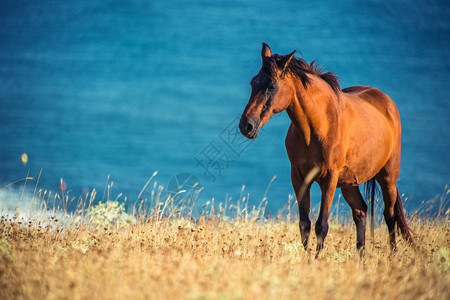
(271, 87)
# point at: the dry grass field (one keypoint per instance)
(169, 256)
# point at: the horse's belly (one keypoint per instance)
(361, 165)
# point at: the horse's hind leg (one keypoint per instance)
(393, 211)
(389, 197)
(387, 180)
(359, 209)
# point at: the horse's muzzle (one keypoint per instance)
(249, 128)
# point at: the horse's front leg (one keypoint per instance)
(304, 205)
(328, 188)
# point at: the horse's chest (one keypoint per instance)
(305, 158)
(301, 155)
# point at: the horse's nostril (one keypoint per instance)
(247, 127)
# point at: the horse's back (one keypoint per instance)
(368, 94)
(355, 89)
(363, 96)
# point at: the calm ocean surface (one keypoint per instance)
(125, 88)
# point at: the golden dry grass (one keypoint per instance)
(216, 259)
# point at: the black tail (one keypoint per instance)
(370, 188)
(401, 220)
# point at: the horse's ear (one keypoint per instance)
(286, 60)
(266, 52)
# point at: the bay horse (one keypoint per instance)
(350, 136)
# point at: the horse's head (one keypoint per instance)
(271, 94)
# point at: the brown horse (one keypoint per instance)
(350, 136)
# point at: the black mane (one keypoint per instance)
(300, 69)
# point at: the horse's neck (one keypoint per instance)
(314, 111)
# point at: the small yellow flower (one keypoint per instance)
(24, 158)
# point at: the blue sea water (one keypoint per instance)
(125, 88)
